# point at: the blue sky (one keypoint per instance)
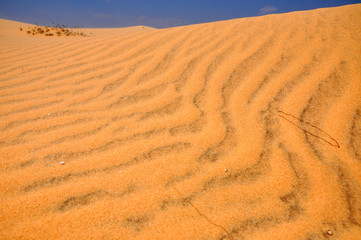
(154, 13)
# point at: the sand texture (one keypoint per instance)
(241, 129)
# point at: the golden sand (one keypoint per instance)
(241, 129)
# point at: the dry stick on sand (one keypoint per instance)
(300, 120)
(204, 216)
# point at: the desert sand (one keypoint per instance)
(241, 129)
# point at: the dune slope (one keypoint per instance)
(241, 129)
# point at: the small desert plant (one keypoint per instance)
(56, 29)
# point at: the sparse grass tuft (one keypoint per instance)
(55, 30)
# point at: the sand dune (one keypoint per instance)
(241, 129)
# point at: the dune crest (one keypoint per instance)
(241, 129)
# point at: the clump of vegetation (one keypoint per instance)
(55, 30)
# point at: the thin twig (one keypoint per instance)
(301, 120)
(204, 216)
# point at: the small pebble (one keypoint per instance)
(329, 233)
(62, 163)
(48, 114)
(226, 170)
